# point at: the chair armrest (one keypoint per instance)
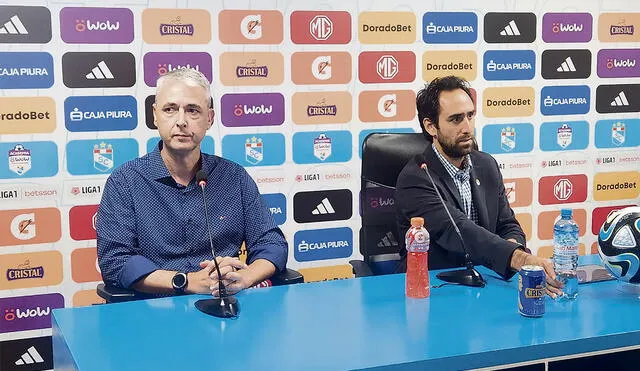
(288, 277)
(360, 268)
(115, 294)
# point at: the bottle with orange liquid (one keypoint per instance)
(417, 243)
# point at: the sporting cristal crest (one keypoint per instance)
(103, 157)
(19, 159)
(322, 147)
(253, 150)
(618, 133)
(564, 136)
(508, 139)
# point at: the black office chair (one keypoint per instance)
(383, 158)
(113, 294)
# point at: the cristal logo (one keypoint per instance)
(164, 68)
(621, 29)
(23, 226)
(561, 27)
(240, 110)
(381, 202)
(322, 109)
(251, 26)
(387, 67)
(303, 246)
(94, 220)
(614, 62)
(25, 270)
(321, 67)
(492, 66)
(176, 28)
(387, 105)
(86, 25)
(252, 70)
(563, 189)
(12, 314)
(321, 27)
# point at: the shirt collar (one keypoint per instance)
(454, 171)
(158, 171)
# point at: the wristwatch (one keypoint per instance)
(179, 282)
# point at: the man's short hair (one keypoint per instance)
(191, 75)
(428, 98)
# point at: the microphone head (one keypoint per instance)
(201, 178)
(422, 161)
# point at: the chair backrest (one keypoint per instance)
(384, 155)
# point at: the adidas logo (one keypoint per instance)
(388, 241)
(100, 72)
(14, 27)
(567, 66)
(621, 100)
(31, 356)
(324, 208)
(510, 30)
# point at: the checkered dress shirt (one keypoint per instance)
(461, 179)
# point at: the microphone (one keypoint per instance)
(468, 276)
(225, 306)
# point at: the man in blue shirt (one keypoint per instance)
(151, 228)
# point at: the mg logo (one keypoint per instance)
(562, 189)
(387, 67)
(321, 27)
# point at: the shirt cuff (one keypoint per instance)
(280, 262)
(136, 267)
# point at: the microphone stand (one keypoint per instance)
(468, 276)
(225, 306)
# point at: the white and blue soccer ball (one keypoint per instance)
(619, 244)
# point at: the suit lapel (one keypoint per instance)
(477, 191)
(438, 170)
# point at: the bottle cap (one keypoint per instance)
(417, 221)
(566, 212)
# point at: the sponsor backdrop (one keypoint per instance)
(297, 86)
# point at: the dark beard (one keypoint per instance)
(455, 150)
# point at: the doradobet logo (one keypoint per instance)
(508, 102)
(461, 63)
(616, 186)
(27, 115)
(387, 27)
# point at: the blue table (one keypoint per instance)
(347, 324)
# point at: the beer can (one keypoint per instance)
(531, 291)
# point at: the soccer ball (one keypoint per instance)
(619, 244)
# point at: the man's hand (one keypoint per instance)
(199, 282)
(227, 265)
(233, 281)
(521, 258)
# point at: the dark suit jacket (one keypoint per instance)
(485, 241)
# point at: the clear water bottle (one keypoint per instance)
(565, 253)
(417, 243)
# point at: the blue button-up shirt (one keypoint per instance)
(146, 221)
